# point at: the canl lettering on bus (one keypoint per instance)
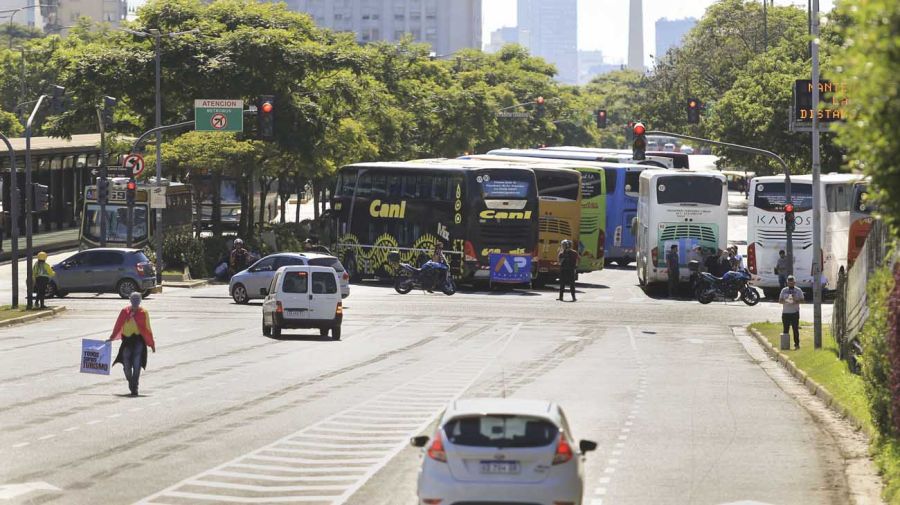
(389, 210)
(493, 214)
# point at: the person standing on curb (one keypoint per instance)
(42, 272)
(568, 262)
(133, 327)
(790, 300)
(672, 269)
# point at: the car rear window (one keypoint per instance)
(140, 257)
(295, 282)
(327, 262)
(323, 283)
(501, 431)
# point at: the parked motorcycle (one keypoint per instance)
(731, 286)
(432, 275)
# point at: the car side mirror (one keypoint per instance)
(587, 446)
(264, 291)
(419, 441)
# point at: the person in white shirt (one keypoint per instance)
(790, 299)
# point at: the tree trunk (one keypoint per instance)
(316, 199)
(301, 185)
(216, 216)
(265, 184)
(282, 199)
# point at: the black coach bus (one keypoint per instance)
(410, 206)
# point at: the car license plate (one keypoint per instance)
(500, 467)
(295, 314)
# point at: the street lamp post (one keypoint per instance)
(13, 220)
(157, 36)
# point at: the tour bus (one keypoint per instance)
(766, 234)
(589, 154)
(838, 191)
(410, 206)
(683, 208)
(621, 196)
(592, 226)
(860, 220)
(176, 216)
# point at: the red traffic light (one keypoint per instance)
(267, 107)
(789, 207)
(639, 129)
(131, 186)
(540, 100)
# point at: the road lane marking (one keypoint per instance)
(21, 444)
(631, 338)
(46, 437)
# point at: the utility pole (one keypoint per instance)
(817, 193)
(13, 220)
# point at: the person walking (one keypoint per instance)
(790, 300)
(672, 269)
(782, 269)
(568, 262)
(133, 328)
(42, 273)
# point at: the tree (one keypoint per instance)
(10, 125)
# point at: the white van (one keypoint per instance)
(302, 297)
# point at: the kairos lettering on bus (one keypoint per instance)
(389, 210)
(779, 219)
(503, 214)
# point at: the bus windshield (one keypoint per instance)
(504, 189)
(557, 185)
(116, 223)
(689, 189)
(770, 197)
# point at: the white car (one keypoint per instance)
(245, 285)
(502, 450)
(302, 297)
(669, 147)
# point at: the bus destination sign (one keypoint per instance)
(833, 101)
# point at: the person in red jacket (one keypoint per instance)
(133, 327)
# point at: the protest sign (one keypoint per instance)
(96, 356)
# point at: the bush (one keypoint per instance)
(876, 359)
(183, 250)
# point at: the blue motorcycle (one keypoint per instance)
(731, 286)
(432, 276)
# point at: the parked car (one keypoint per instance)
(245, 285)
(104, 270)
(502, 450)
(302, 297)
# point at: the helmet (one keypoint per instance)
(42, 256)
(238, 242)
(567, 244)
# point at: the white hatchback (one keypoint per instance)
(502, 450)
(302, 297)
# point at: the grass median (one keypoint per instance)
(7, 312)
(824, 367)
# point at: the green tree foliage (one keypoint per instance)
(870, 63)
(876, 358)
(10, 125)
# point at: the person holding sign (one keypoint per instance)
(133, 327)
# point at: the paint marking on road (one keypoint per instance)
(604, 480)
(631, 338)
(620, 444)
(46, 437)
(10, 491)
(113, 416)
(73, 428)
(609, 470)
(616, 453)
(623, 437)
(21, 444)
(95, 421)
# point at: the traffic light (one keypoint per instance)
(539, 109)
(130, 190)
(40, 200)
(639, 146)
(789, 220)
(102, 190)
(601, 118)
(57, 99)
(109, 105)
(265, 117)
(693, 111)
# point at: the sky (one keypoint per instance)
(603, 24)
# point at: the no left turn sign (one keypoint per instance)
(134, 163)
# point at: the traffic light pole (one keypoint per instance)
(130, 200)
(104, 180)
(13, 221)
(817, 193)
(29, 277)
(789, 246)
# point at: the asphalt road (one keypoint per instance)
(680, 410)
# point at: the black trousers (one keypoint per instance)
(566, 279)
(40, 288)
(792, 321)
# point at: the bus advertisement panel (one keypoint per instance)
(681, 208)
(409, 207)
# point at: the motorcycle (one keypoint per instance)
(434, 275)
(731, 286)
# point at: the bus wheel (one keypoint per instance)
(126, 287)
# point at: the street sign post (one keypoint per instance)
(134, 164)
(216, 115)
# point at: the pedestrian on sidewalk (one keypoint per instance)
(672, 269)
(790, 300)
(568, 262)
(782, 268)
(42, 273)
(133, 327)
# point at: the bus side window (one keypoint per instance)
(379, 186)
(365, 186)
(395, 187)
(441, 188)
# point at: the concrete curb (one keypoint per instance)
(812, 386)
(29, 317)
(196, 283)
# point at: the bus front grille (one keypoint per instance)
(502, 235)
(549, 224)
(703, 232)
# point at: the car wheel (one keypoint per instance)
(239, 293)
(276, 331)
(266, 330)
(336, 333)
(323, 332)
(126, 287)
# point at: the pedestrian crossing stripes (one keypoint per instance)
(325, 463)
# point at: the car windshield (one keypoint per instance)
(500, 431)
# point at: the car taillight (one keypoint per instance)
(563, 450)
(279, 307)
(469, 251)
(654, 254)
(139, 268)
(436, 450)
(340, 309)
(751, 258)
(346, 276)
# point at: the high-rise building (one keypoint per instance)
(549, 29)
(636, 36)
(670, 32)
(63, 13)
(447, 25)
(29, 15)
(501, 37)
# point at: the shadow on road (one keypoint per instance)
(302, 338)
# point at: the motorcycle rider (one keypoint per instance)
(433, 266)
(239, 258)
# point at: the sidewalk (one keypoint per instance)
(44, 241)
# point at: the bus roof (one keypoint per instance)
(679, 172)
(428, 164)
(573, 163)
